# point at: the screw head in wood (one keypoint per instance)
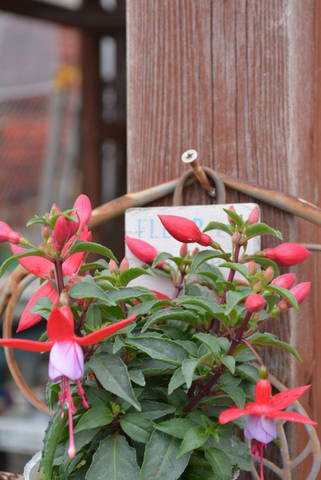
(189, 156)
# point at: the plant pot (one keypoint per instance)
(31, 469)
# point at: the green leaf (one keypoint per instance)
(237, 267)
(43, 307)
(112, 373)
(114, 460)
(81, 246)
(170, 314)
(285, 293)
(137, 427)
(220, 463)
(137, 377)
(194, 438)
(269, 340)
(87, 288)
(160, 459)
(177, 427)
(53, 436)
(123, 294)
(261, 229)
(211, 341)
(247, 371)
(237, 218)
(176, 381)
(159, 348)
(218, 226)
(161, 258)
(94, 417)
(229, 362)
(154, 410)
(36, 219)
(14, 258)
(132, 273)
(233, 298)
(204, 256)
(236, 393)
(210, 305)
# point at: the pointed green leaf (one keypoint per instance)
(112, 373)
(94, 417)
(237, 267)
(177, 427)
(194, 438)
(159, 348)
(269, 340)
(81, 246)
(204, 256)
(229, 362)
(137, 427)
(220, 463)
(132, 273)
(53, 436)
(176, 381)
(211, 341)
(137, 377)
(188, 368)
(154, 410)
(114, 460)
(237, 218)
(261, 229)
(160, 459)
(87, 288)
(218, 226)
(170, 314)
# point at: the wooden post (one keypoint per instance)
(240, 82)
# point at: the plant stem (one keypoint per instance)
(59, 275)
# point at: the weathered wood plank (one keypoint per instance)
(240, 82)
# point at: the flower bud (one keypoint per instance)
(195, 251)
(183, 250)
(287, 254)
(285, 281)
(160, 295)
(254, 302)
(268, 274)
(184, 230)
(124, 265)
(301, 290)
(112, 266)
(236, 237)
(230, 219)
(251, 267)
(144, 251)
(63, 230)
(254, 216)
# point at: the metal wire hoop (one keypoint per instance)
(219, 187)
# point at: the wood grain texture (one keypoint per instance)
(239, 80)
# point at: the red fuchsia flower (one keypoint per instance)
(184, 230)
(44, 268)
(143, 250)
(66, 360)
(254, 216)
(287, 254)
(260, 426)
(254, 302)
(285, 281)
(7, 234)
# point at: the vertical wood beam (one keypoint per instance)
(240, 82)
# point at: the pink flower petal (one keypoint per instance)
(66, 360)
(292, 417)
(82, 208)
(60, 325)
(231, 414)
(29, 319)
(284, 399)
(104, 332)
(39, 266)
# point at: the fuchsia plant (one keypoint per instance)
(139, 372)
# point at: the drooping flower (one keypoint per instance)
(184, 230)
(254, 302)
(261, 414)
(287, 254)
(66, 360)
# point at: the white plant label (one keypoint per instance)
(144, 224)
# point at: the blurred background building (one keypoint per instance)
(62, 132)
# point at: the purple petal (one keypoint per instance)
(66, 360)
(260, 428)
